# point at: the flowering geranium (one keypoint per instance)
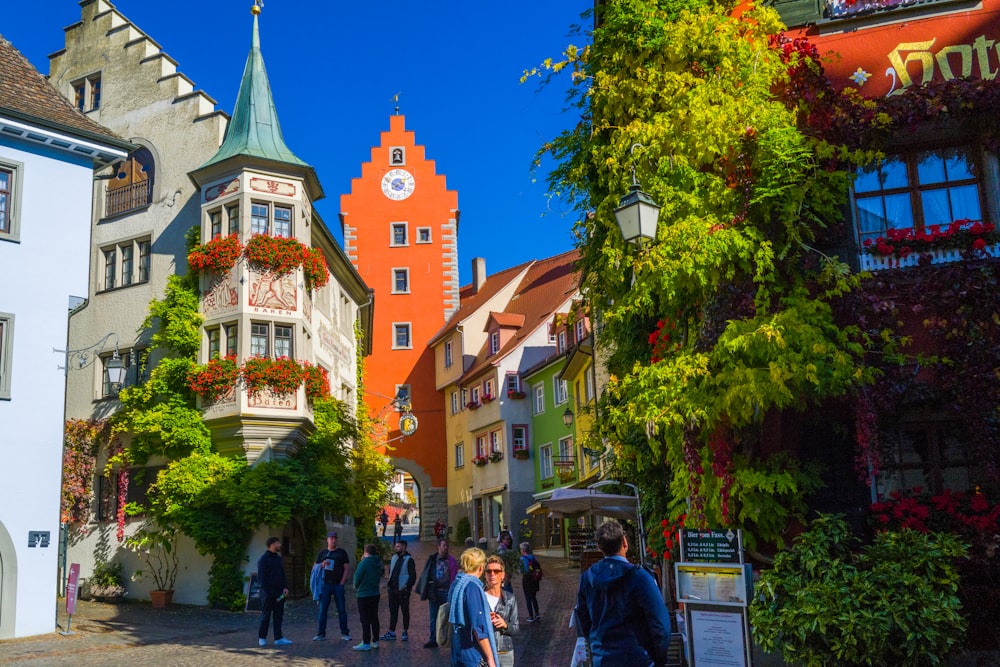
(516, 395)
(214, 379)
(966, 515)
(314, 267)
(317, 381)
(479, 460)
(961, 234)
(219, 255)
(277, 254)
(282, 376)
(664, 541)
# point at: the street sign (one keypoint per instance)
(711, 546)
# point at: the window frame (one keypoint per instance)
(519, 444)
(895, 469)
(481, 445)
(514, 386)
(496, 441)
(131, 272)
(449, 354)
(489, 388)
(455, 406)
(401, 327)
(580, 331)
(494, 342)
(538, 393)
(6, 354)
(288, 339)
(420, 232)
(87, 93)
(404, 228)
(560, 391)
(914, 189)
(460, 455)
(231, 332)
(398, 272)
(545, 467)
(10, 225)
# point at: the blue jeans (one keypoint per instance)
(434, 606)
(337, 592)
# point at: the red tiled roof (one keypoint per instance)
(25, 92)
(546, 286)
(514, 320)
(470, 300)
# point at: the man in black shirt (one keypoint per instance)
(273, 589)
(336, 570)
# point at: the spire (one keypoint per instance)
(253, 130)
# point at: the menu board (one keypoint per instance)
(711, 546)
(723, 584)
(717, 638)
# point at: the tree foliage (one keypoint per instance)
(737, 296)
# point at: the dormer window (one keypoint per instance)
(561, 345)
(494, 342)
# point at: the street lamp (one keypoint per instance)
(114, 369)
(637, 213)
(567, 418)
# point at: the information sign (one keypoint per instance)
(718, 638)
(254, 600)
(711, 546)
(72, 588)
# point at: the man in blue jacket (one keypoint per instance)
(619, 608)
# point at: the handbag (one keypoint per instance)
(443, 628)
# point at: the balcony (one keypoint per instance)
(126, 198)
(934, 256)
(899, 247)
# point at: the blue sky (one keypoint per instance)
(334, 68)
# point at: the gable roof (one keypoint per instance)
(470, 299)
(26, 95)
(505, 320)
(543, 290)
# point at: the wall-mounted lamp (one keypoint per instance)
(637, 213)
(114, 369)
(567, 418)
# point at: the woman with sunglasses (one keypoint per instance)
(503, 609)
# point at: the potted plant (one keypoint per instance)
(479, 460)
(521, 454)
(496, 456)
(156, 547)
(516, 395)
(107, 583)
(487, 398)
(472, 405)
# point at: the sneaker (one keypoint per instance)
(405, 637)
(345, 638)
(261, 642)
(530, 619)
(319, 638)
(282, 642)
(431, 644)
(389, 636)
(374, 644)
(363, 647)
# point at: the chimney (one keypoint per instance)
(478, 273)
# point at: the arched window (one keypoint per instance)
(132, 187)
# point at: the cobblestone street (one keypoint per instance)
(137, 635)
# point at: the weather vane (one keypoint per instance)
(395, 98)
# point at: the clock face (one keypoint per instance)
(398, 184)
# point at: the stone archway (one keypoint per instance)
(8, 584)
(432, 500)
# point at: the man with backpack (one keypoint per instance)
(531, 577)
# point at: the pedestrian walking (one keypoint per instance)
(619, 607)
(503, 609)
(273, 589)
(397, 529)
(439, 527)
(336, 570)
(402, 578)
(435, 580)
(366, 581)
(531, 578)
(473, 640)
(383, 519)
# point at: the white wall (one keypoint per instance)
(39, 275)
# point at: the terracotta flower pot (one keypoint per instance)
(161, 599)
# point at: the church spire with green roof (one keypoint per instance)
(253, 130)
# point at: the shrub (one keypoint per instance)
(463, 530)
(894, 602)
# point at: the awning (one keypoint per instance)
(573, 502)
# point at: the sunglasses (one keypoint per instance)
(494, 571)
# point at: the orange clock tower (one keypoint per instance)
(400, 225)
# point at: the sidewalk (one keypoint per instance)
(134, 633)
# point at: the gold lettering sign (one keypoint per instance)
(950, 62)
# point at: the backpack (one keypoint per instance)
(443, 628)
(535, 569)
